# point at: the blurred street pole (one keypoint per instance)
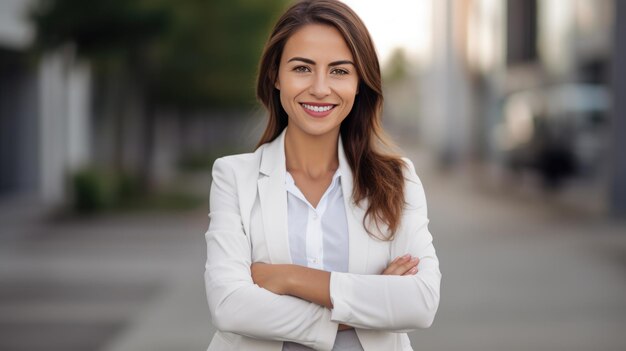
(447, 99)
(618, 191)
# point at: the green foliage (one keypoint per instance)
(215, 45)
(97, 27)
(93, 191)
(187, 53)
(96, 191)
(397, 67)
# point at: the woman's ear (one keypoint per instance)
(277, 84)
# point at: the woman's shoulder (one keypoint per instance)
(414, 195)
(410, 174)
(239, 163)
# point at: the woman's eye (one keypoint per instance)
(302, 69)
(339, 71)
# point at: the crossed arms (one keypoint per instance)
(307, 306)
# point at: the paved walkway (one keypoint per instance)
(517, 275)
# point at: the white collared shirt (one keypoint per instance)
(318, 238)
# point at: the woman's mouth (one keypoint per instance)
(318, 110)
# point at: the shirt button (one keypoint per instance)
(315, 216)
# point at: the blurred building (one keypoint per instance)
(44, 113)
(525, 86)
(60, 116)
(528, 88)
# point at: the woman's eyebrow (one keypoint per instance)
(311, 62)
(341, 62)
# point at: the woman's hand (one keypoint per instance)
(272, 277)
(402, 265)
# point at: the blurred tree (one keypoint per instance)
(211, 53)
(397, 67)
(191, 53)
(188, 55)
(96, 27)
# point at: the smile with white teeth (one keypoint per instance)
(318, 108)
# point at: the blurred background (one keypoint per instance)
(113, 111)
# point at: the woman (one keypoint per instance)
(318, 239)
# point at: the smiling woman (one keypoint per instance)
(319, 239)
(317, 81)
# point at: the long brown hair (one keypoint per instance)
(378, 176)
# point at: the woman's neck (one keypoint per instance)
(313, 156)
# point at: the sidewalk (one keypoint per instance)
(123, 282)
(523, 275)
(517, 275)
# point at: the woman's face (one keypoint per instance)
(317, 79)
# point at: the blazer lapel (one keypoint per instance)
(358, 237)
(273, 200)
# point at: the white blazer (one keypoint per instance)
(248, 223)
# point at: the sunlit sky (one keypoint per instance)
(397, 23)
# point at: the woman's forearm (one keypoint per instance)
(285, 279)
(309, 284)
(313, 284)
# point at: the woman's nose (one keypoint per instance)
(320, 86)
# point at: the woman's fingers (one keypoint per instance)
(411, 271)
(403, 265)
(395, 265)
(409, 267)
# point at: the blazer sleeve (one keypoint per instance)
(394, 303)
(238, 305)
